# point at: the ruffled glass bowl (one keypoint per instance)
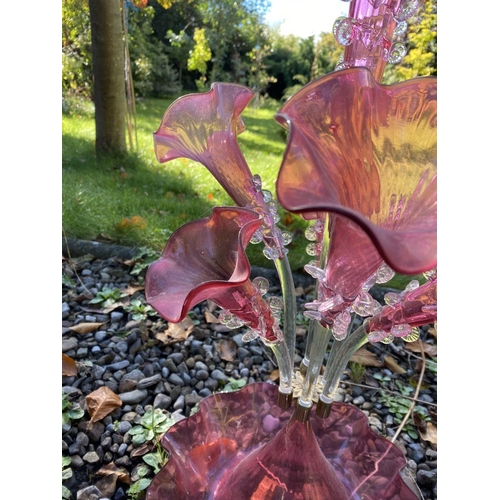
(242, 446)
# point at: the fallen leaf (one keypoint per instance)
(429, 349)
(69, 368)
(211, 305)
(83, 328)
(426, 430)
(131, 289)
(275, 375)
(141, 450)
(176, 332)
(113, 469)
(226, 349)
(210, 318)
(122, 303)
(101, 403)
(287, 219)
(135, 222)
(433, 331)
(366, 358)
(299, 291)
(390, 363)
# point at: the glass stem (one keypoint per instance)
(309, 340)
(325, 242)
(321, 338)
(340, 354)
(289, 307)
(280, 350)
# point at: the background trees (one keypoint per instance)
(177, 46)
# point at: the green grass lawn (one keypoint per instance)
(101, 196)
(139, 202)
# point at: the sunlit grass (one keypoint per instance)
(99, 195)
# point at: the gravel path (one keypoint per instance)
(147, 364)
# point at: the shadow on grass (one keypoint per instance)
(102, 195)
(76, 149)
(271, 136)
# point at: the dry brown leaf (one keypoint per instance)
(390, 363)
(141, 450)
(176, 332)
(211, 305)
(210, 318)
(69, 368)
(288, 219)
(101, 403)
(433, 331)
(299, 291)
(85, 327)
(275, 375)
(426, 430)
(429, 349)
(131, 289)
(366, 358)
(115, 305)
(430, 434)
(112, 469)
(226, 349)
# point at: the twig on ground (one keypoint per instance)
(390, 392)
(71, 263)
(417, 390)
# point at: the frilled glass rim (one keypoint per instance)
(198, 432)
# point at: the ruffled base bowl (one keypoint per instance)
(242, 446)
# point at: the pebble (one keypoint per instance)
(91, 457)
(219, 376)
(174, 379)
(179, 403)
(149, 381)
(133, 397)
(162, 401)
(89, 493)
(119, 365)
(426, 478)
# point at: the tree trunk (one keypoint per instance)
(108, 63)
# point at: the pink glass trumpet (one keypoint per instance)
(241, 445)
(368, 152)
(205, 259)
(204, 127)
(365, 154)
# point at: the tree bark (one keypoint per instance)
(108, 66)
